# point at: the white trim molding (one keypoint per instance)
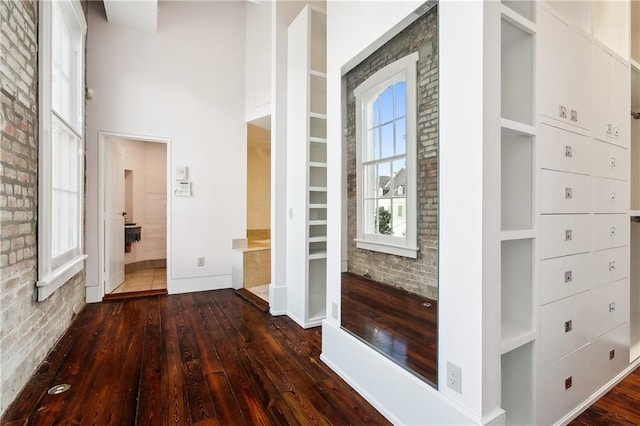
(404, 69)
(55, 269)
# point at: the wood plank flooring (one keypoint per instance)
(619, 406)
(401, 325)
(200, 358)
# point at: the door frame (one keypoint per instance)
(103, 141)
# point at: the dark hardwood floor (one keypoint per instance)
(619, 406)
(399, 324)
(199, 358)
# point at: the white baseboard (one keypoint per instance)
(277, 300)
(191, 285)
(495, 418)
(599, 393)
(397, 394)
(93, 294)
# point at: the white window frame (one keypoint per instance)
(405, 67)
(53, 272)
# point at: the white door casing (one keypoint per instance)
(114, 218)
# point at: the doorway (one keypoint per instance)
(134, 205)
(256, 252)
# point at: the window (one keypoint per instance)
(61, 141)
(386, 159)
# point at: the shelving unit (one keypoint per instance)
(518, 385)
(634, 309)
(525, 9)
(517, 220)
(582, 187)
(516, 70)
(569, 262)
(634, 149)
(307, 168)
(517, 182)
(517, 292)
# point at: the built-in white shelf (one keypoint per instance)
(519, 13)
(317, 154)
(320, 254)
(518, 127)
(516, 293)
(317, 128)
(514, 337)
(516, 72)
(317, 239)
(635, 65)
(634, 213)
(318, 94)
(516, 170)
(317, 164)
(518, 389)
(518, 234)
(317, 206)
(318, 213)
(317, 195)
(317, 39)
(307, 156)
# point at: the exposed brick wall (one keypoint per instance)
(28, 329)
(416, 275)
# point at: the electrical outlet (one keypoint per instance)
(201, 261)
(454, 377)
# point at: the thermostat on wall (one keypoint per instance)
(181, 173)
(183, 188)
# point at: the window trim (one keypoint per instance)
(389, 244)
(50, 275)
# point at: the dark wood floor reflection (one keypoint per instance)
(401, 325)
(199, 358)
(619, 406)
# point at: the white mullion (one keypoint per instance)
(385, 160)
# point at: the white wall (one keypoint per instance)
(258, 60)
(258, 178)
(355, 29)
(147, 162)
(183, 84)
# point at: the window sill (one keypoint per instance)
(388, 248)
(55, 279)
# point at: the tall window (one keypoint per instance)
(386, 159)
(61, 166)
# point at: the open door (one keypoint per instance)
(114, 216)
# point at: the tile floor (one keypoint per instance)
(145, 279)
(262, 291)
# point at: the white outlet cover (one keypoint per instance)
(454, 377)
